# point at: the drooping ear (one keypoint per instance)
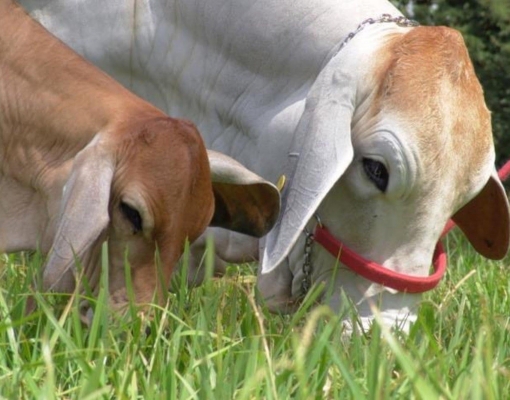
(320, 154)
(485, 220)
(244, 202)
(83, 214)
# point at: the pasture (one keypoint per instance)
(215, 342)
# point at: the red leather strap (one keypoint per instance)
(379, 274)
(504, 171)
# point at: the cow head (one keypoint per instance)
(395, 140)
(146, 188)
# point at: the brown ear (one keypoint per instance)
(244, 202)
(485, 220)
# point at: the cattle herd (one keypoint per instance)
(342, 117)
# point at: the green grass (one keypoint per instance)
(215, 342)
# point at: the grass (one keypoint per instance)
(215, 342)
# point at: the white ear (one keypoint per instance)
(244, 202)
(322, 151)
(83, 214)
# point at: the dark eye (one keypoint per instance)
(132, 215)
(377, 173)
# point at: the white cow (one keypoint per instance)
(382, 130)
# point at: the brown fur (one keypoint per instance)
(428, 78)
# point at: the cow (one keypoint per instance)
(83, 161)
(375, 128)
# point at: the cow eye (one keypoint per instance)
(132, 215)
(377, 173)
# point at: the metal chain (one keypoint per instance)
(400, 21)
(307, 269)
(306, 282)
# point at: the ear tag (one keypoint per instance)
(281, 183)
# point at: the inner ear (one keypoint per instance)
(132, 215)
(485, 220)
(248, 209)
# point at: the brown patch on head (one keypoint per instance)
(429, 82)
(166, 157)
(163, 162)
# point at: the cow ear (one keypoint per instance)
(485, 220)
(83, 215)
(320, 154)
(244, 202)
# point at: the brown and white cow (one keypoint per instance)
(83, 161)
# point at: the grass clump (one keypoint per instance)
(216, 342)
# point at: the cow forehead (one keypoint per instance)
(157, 146)
(428, 83)
(165, 160)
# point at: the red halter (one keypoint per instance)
(384, 276)
(377, 273)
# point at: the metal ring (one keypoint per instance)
(318, 219)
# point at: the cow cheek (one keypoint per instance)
(128, 254)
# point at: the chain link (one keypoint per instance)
(307, 269)
(307, 264)
(400, 21)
